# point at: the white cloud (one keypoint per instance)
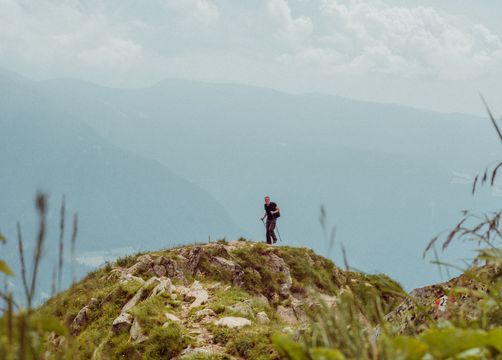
(113, 53)
(204, 11)
(48, 33)
(293, 29)
(361, 37)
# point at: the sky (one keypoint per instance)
(437, 55)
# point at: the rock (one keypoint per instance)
(132, 301)
(172, 317)
(242, 309)
(201, 297)
(129, 277)
(159, 270)
(233, 322)
(56, 340)
(140, 294)
(262, 318)
(182, 290)
(287, 315)
(165, 286)
(194, 258)
(262, 299)
(298, 309)
(214, 286)
(197, 353)
(224, 262)
(143, 264)
(205, 315)
(137, 333)
(329, 300)
(122, 323)
(151, 281)
(278, 265)
(171, 267)
(196, 285)
(82, 318)
(230, 266)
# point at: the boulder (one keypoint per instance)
(144, 264)
(262, 317)
(205, 315)
(83, 316)
(262, 299)
(233, 322)
(165, 286)
(230, 266)
(287, 315)
(132, 301)
(172, 317)
(122, 323)
(242, 309)
(299, 309)
(159, 270)
(193, 258)
(137, 333)
(80, 320)
(200, 296)
(277, 265)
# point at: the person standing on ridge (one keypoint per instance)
(272, 212)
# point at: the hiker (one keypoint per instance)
(272, 212)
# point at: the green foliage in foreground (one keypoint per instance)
(449, 343)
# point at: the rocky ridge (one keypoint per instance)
(218, 300)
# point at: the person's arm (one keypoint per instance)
(276, 210)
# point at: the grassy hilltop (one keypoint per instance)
(216, 300)
(248, 300)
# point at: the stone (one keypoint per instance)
(242, 309)
(132, 301)
(122, 323)
(298, 309)
(262, 299)
(165, 286)
(137, 333)
(201, 297)
(129, 277)
(329, 300)
(182, 290)
(214, 286)
(230, 266)
(143, 264)
(151, 281)
(196, 285)
(159, 270)
(197, 353)
(233, 322)
(194, 258)
(205, 314)
(277, 265)
(262, 317)
(80, 320)
(172, 317)
(287, 315)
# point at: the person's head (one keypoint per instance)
(267, 199)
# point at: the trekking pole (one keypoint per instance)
(278, 233)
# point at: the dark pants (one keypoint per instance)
(270, 231)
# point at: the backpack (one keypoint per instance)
(276, 215)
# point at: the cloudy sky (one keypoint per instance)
(433, 54)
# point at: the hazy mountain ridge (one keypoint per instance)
(365, 162)
(123, 199)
